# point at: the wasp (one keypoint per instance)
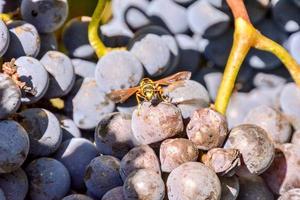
(148, 90)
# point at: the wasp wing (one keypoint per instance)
(185, 75)
(119, 96)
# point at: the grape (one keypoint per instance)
(77, 197)
(206, 20)
(260, 59)
(46, 15)
(257, 9)
(172, 14)
(256, 147)
(9, 5)
(102, 175)
(193, 180)
(272, 121)
(62, 75)
(84, 68)
(286, 15)
(253, 187)
(33, 73)
(289, 103)
(68, 127)
(212, 82)
(153, 53)
(114, 194)
(292, 194)
(2, 196)
(230, 187)
(189, 53)
(123, 11)
(48, 179)
(294, 47)
(75, 38)
(152, 124)
(90, 105)
(43, 130)
(264, 80)
(207, 129)
(10, 99)
(283, 174)
(76, 154)
(48, 43)
(141, 157)
(14, 143)
(185, 3)
(174, 152)
(115, 33)
(297, 3)
(14, 185)
(144, 184)
(118, 70)
(188, 96)
(24, 40)
(296, 138)
(113, 135)
(4, 38)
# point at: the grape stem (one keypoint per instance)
(7, 17)
(101, 15)
(245, 37)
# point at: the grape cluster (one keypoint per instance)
(62, 137)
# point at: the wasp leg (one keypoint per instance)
(138, 99)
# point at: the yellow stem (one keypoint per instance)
(290, 63)
(244, 36)
(94, 39)
(6, 17)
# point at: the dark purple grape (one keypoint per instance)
(153, 53)
(144, 184)
(152, 124)
(48, 179)
(113, 135)
(207, 128)
(84, 68)
(48, 43)
(76, 154)
(118, 70)
(173, 15)
(114, 194)
(75, 38)
(14, 143)
(257, 9)
(264, 80)
(273, 121)
(9, 5)
(62, 75)
(90, 104)
(174, 152)
(43, 130)
(193, 180)
(77, 197)
(253, 187)
(188, 96)
(46, 15)
(4, 38)
(292, 194)
(68, 127)
(141, 157)
(2, 196)
(102, 175)
(204, 19)
(10, 99)
(294, 45)
(33, 73)
(256, 147)
(286, 15)
(14, 185)
(230, 187)
(24, 40)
